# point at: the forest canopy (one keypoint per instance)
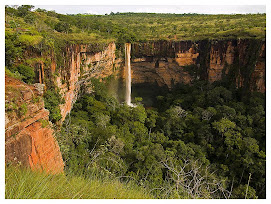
(198, 141)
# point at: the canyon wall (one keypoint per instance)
(164, 63)
(83, 65)
(79, 64)
(167, 63)
(29, 138)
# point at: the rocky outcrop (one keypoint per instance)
(29, 138)
(259, 74)
(167, 63)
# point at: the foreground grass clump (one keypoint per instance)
(23, 183)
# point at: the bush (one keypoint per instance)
(13, 49)
(30, 40)
(29, 18)
(52, 100)
(23, 10)
(27, 73)
(15, 75)
(62, 27)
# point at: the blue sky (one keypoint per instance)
(206, 9)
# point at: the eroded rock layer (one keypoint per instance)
(29, 138)
(79, 64)
(169, 63)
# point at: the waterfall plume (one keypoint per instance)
(128, 74)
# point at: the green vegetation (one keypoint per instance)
(202, 132)
(29, 33)
(52, 100)
(22, 183)
(198, 141)
(15, 75)
(49, 32)
(27, 73)
(44, 123)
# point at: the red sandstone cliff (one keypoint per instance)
(169, 63)
(162, 62)
(29, 139)
(80, 64)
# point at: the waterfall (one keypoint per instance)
(128, 73)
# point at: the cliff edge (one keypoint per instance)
(29, 138)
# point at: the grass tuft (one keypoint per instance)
(22, 183)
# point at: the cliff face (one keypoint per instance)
(165, 63)
(80, 63)
(29, 139)
(169, 63)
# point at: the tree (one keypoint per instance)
(192, 180)
(23, 10)
(208, 113)
(13, 50)
(52, 100)
(27, 73)
(176, 112)
(218, 96)
(223, 126)
(63, 27)
(29, 18)
(240, 192)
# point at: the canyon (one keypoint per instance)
(163, 63)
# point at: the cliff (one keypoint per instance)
(29, 138)
(167, 63)
(78, 65)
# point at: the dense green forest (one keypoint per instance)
(199, 141)
(196, 141)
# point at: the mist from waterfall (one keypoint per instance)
(128, 74)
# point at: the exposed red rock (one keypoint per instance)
(82, 65)
(29, 138)
(169, 63)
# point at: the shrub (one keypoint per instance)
(29, 18)
(52, 100)
(30, 40)
(27, 73)
(15, 74)
(23, 109)
(62, 27)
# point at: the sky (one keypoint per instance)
(202, 9)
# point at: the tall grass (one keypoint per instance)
(22, 183)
